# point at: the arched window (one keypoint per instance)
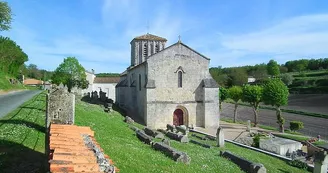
(180, 79)
(145, 50)
(139, 82)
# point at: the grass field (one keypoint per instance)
(22, 138)
(22, 144)
(131, 155)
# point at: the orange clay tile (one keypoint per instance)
(69, 152)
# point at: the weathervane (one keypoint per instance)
(179, 39)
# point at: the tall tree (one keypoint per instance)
(238, 77)
(275, 93)
(223, 95)
(70, 73)
(235, 93)
(273, 68)
(12, 56)
(5, 16)
(253, 95)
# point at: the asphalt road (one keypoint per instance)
(11, 101)
(313, 126)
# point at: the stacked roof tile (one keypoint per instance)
(69, 151)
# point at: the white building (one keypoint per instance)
(104, 84)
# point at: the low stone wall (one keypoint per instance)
(244, 164)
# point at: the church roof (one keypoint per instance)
(108, 79)
(150, 37)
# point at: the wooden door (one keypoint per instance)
(178, 117)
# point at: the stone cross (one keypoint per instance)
(320, 162)
(220, 137)
(248, 128)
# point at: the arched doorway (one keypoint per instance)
(178, 117)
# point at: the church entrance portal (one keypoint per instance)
(178, 117)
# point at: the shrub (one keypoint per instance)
(298, 164)
(296, 125)
(256, 141)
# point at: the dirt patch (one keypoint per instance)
(313, 126)
(316, 103)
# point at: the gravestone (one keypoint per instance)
(182, 129)
(280, 146)
(170, 128)
(320, 162)
(60, 106)
(220, 137)
(248, 128)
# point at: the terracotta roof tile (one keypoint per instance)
(150, 37)
(112, 79)
(33, 82)
(68, 152)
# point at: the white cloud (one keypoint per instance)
(303, 36)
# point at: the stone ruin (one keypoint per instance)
(60, 106)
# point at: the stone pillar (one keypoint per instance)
(320, 162)
(220, 137)
(248, 128)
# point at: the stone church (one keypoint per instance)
(168, 85)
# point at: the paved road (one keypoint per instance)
(313, 126)
(11, 101)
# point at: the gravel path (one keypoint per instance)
(11, 101)
(313, 126)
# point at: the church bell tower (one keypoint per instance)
(144, 46)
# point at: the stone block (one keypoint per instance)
(153, 133)
(172, 153)
(178, 137)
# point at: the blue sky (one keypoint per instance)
(230, 32)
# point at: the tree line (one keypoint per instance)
(273, 92)
(12, 57)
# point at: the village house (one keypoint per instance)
(104, 84)
(168, 85)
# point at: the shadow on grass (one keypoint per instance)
(281, 170)
(115, 107)
(26, 123)
(28, 107)
(16, 158)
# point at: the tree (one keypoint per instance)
(273, 68)
(238, 77)
(70, 73)
(223, 95)
(302, 65)
(253, 95)
(287, 78)
(235, 93)
(5, 16)
(275, 93)
(12, 57)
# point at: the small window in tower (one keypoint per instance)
(145, 50)
(139, 82)
(180, 79)
(157, 48)
(151, 48)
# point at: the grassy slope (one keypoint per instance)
(6, 85)
(131, 155)
(22, 138)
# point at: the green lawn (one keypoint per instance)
(22, 138)
(130, 155)
(22, 144)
